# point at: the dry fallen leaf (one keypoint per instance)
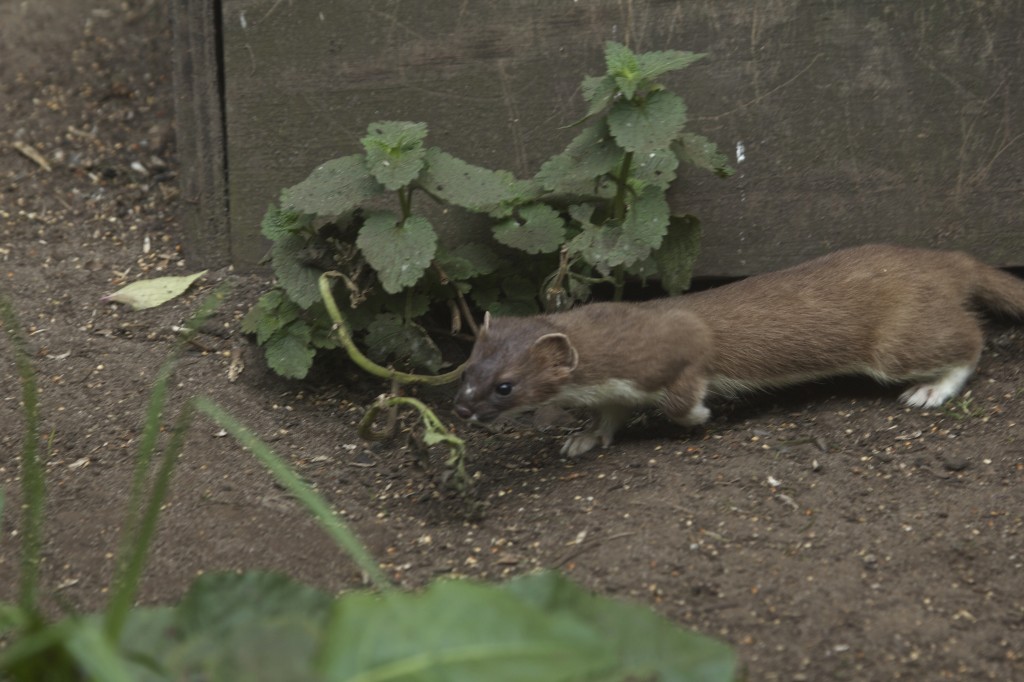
(150, 293)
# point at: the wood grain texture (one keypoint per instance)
(868, 121)
(200, 132)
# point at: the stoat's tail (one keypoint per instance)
(999, 291)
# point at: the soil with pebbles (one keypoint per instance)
(828, 533)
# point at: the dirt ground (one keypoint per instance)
(828, 533)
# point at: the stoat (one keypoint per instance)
(899, 315)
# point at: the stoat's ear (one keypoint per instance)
(555, 350)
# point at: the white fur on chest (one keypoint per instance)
(612, 391)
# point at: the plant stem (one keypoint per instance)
(619, 280)
(621, 187)
(434, 432)
(365, 363)
(619, 215)
(405, 201)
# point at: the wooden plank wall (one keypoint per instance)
(855, 121)
(200, 131)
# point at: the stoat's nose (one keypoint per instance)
(463, 412)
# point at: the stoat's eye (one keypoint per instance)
(504, 388)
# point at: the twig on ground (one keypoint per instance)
(29, 152)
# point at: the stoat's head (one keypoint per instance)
(516, 364)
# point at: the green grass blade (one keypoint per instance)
(129, 558)
(154, 412)
(127, 584)
(146, 446)
(12, 618)
(22, 655)
(95, 653)
(338, 531)
(32, 480)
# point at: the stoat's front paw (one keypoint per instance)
(578, 443)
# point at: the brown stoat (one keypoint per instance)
(900, 315)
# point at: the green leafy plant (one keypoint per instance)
(263, 627)
(596, 212)
(390, 258)
(613, 177)
(603, 200)
(434, 431)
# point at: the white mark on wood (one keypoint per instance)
(241, 20)
(741, 152)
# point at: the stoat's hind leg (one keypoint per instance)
(939, 391)
(683, 402)
(940, 354)
(606, 421)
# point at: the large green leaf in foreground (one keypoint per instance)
(538, 628)
(459, 631)
(646, 645)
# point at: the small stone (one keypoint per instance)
(955, 462)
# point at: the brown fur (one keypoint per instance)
(897, 314)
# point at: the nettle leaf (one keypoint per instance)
(322, 332)
(219, 603)
(582, 213)
(467, 260)
(538, 228)
(477, 189)
(358, 318)
(646, 223)
(289, 350)
(272, 311)
(623, 67)
(678, 253)
(410, 304)
(254, 626)
(277, 224)
(324, 338)
(458, 630)
(514, 296)
(597, 245)
(398, 252)
(389, 336)
(592, 154)
(333, 188)
(598, 91)
(653, 64)
(608, 246)
(395, 152)
(647, 125)
(646, 645)
(144, 639)
(643, 269)
(294, 275)
(634, 73)
(703, 153)
(657, 168)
